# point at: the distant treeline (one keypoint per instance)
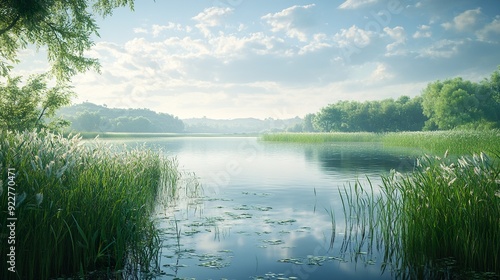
(443, 105)
(240, 125)
(91, 117)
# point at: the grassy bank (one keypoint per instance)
(441, 221)
(79, 208)
(435, 142)
(322, 137)
(455, 142)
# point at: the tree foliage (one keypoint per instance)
(64, 28)
(404, 114)
(458, 103)
(450, 104)
(87, 121)
(95, 118)
(32, 105)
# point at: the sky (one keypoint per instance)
(229, 59)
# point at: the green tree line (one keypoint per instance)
(91, 117)
(450, 104)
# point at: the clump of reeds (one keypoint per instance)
(444, 210)
(441, 221)
(81, 207)
(360, 207)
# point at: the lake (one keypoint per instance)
(266, 209)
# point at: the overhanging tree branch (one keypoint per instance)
(64, 27)
(11, 25)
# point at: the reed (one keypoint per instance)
(81, 207)
(360, 206)
(441, 221)
(446, 210)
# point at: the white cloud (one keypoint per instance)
(424, 31)
(380, 74)
(231, 46)
(354, 36)
(157, 29)
(442, 49)
(140, 30)
(490, 30)
(464, 22)
(294, 21)
(355, 4)
(319, 41)
(211, 17)
(398, 34)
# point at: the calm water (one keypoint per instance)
(265, 212)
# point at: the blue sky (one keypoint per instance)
(280, 59)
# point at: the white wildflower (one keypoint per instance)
(483, 157)
(462, 162)
(477, 170)
(39, 198)
(452, 181)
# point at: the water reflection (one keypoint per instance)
(360, 158)
(266, 212)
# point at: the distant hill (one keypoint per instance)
(242, 125)
(96, 118)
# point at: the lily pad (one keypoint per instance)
(274, 242)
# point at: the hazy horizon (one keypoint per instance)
(281, 59)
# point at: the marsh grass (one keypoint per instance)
(322, 137)
(441, 221)
(448, 209)
(359, 207)
(456, 142)
(86, 208)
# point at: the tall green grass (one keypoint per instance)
(456, 142)
(441, 221)
(447, 210)
(435, 142)
(322, 137)
(360, 215)
(81, 207)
